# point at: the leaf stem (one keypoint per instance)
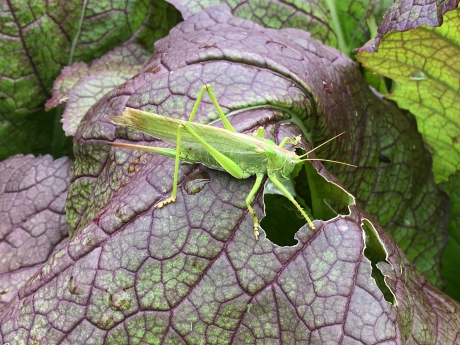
(77, 36)
(338, 28)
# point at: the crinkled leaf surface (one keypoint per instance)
(81, 85)
(338, 23)
(423, 64)
(392, 159)
(192, 271)
(404, 15)
(38, 38)
(32, 217)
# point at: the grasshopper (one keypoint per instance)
(241, 155)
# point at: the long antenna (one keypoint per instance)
(317, 147)
(327, 160)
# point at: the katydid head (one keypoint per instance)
(288, 167)
(281, 162)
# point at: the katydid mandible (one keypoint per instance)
(224, 149)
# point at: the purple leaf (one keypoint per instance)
(32, 218)
(192, 271)
(407, 14)
(81, 86)
(404, 15)
(342, 24)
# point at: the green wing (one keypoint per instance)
(161, 127)
(245, 150)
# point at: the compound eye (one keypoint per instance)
(292, 162)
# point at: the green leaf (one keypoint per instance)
(450, 267)
(423, 63)
(40, 37)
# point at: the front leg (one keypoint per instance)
(288, 195)
(293, 142)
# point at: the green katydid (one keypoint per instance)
(224, 149)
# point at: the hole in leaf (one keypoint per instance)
(196, 182)
(384, 159)
(320, 198)
(375, 252)
(282, 220)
